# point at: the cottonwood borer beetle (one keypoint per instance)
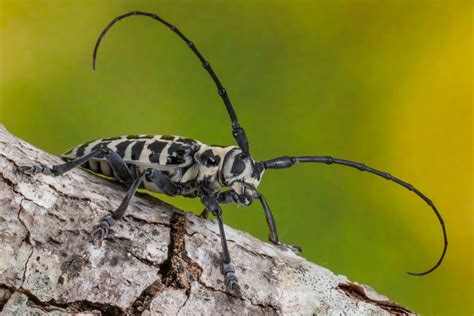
(176, 165)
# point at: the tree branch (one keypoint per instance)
(157, 259)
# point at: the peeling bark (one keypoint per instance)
(157, 260)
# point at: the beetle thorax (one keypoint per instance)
(210, 160)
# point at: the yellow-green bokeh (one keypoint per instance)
(388, 83)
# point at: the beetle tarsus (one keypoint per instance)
(292, 248)
(102, 229)
(36, 169)
(231, 279)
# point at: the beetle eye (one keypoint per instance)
(238, 166)
(211, 161)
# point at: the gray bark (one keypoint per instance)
(157, 260)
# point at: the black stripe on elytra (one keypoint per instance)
(122, 147)
(112, 138)
(101, 145)
(69, 151)
(186, 140)
(176, 153)
(82, 149)
(156, 147)
(137, 149)
(167, 137)
(139, 136)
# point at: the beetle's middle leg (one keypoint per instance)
(161, 180)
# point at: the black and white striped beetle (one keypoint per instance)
(176, 165)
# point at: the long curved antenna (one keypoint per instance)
(237, 131)
(286, 162)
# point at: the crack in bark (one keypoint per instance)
(142, 260)
(69, 307)
(188, 295)
(263, 306)
(357, 292)
(26, 239)
(141, 220)
(178, 270)
(174, 268)
(105, 309)
(13, 185)
(26, 268)
(5, 294)
(143, 302)
(178, 231)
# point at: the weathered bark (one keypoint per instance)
(157, 260)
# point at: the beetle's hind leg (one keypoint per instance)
(157, 177)
(116, 162)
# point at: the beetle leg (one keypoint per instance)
(232, 197)
(116, 162)
(212, 206)
(273, 234)
(163, 182)
(102, 229)
(204, 214)
(228, 197)
(157, 177)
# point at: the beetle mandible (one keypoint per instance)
(175, 165)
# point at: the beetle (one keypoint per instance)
(175, 165)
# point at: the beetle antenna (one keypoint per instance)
(237, 131)
(286, 162)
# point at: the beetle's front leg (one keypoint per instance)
(212, 206)
(226, 197)
(232, 197)
(272, 234)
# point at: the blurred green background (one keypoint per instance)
(388, 83)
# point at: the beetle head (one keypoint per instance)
(241, 173)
